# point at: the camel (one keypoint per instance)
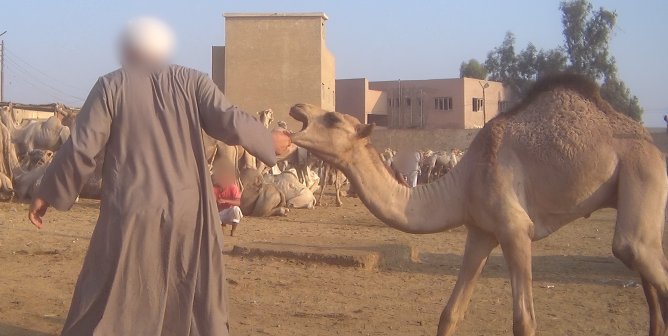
(28, 174)
(297, 195)
(302, 162)
(331, 175)
(6, 150)
(559, 155)
(20, 179)
(47, 134)
(260, 199)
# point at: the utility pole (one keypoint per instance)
(2, 68)
(484, 102)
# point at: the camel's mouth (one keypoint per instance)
(299, 113)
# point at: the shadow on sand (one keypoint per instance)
(9, 330)
(600, 270)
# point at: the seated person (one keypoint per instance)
(228, 198)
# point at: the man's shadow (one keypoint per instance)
(9, 330)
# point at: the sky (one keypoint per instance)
(55, 50)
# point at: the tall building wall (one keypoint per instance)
(277, 60)
(218, 66)
(351, 97)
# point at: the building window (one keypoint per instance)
(389, 102)
(396, 102)
(408, 102)
(443, 103)
(503, 106)
(478, 104)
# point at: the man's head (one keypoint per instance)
(146, 41)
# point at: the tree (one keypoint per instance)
(518, 71)
(619, 96)
(472, 69)
(585, 51)
(501, 62)
(586, 38)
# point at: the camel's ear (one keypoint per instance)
(364, 130)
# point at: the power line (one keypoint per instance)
(17, 74)
(39, 81)
(32, 84)
(56, 80)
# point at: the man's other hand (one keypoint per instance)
(37, 210)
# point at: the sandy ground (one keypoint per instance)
(579, 288)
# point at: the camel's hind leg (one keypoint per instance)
(478, 246)
(638, 235)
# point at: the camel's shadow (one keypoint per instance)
(576, 269)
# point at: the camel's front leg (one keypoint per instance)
(478, 246)
(516, 248)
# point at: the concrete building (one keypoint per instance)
(354, 97)
(274, 60)
(461, 103)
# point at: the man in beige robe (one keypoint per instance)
(154, 265)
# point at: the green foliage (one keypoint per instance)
(587, 35)
(619, 96)
(472, 69)
(520, 70)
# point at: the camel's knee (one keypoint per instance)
(625, 252)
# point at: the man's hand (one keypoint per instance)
(37, 210)
(282, 141)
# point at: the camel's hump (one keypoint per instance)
(580, 84)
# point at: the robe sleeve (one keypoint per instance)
(75, 162)
(227, 123)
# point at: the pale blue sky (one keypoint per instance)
(56, 49)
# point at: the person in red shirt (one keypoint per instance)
(228, 199)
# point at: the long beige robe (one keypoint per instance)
(154, 265)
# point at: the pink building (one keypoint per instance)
(461, 103)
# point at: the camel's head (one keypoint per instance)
(38, 157)
(331, 136)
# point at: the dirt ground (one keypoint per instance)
(579, 287)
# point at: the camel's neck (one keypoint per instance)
(9, 119)
(12, 160)
(429, 208)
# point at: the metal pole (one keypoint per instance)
(484, 102)
(2, 68)
(401, 109)
(484, 107)
(421, 108)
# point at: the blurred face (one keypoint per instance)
(223, 178)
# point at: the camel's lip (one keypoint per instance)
(298, 113)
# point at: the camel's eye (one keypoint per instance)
(331, 119)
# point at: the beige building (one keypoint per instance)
(354, 97)
(274, 61)
(461, 103)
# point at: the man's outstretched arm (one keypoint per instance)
(75, 162)
(227, 123)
